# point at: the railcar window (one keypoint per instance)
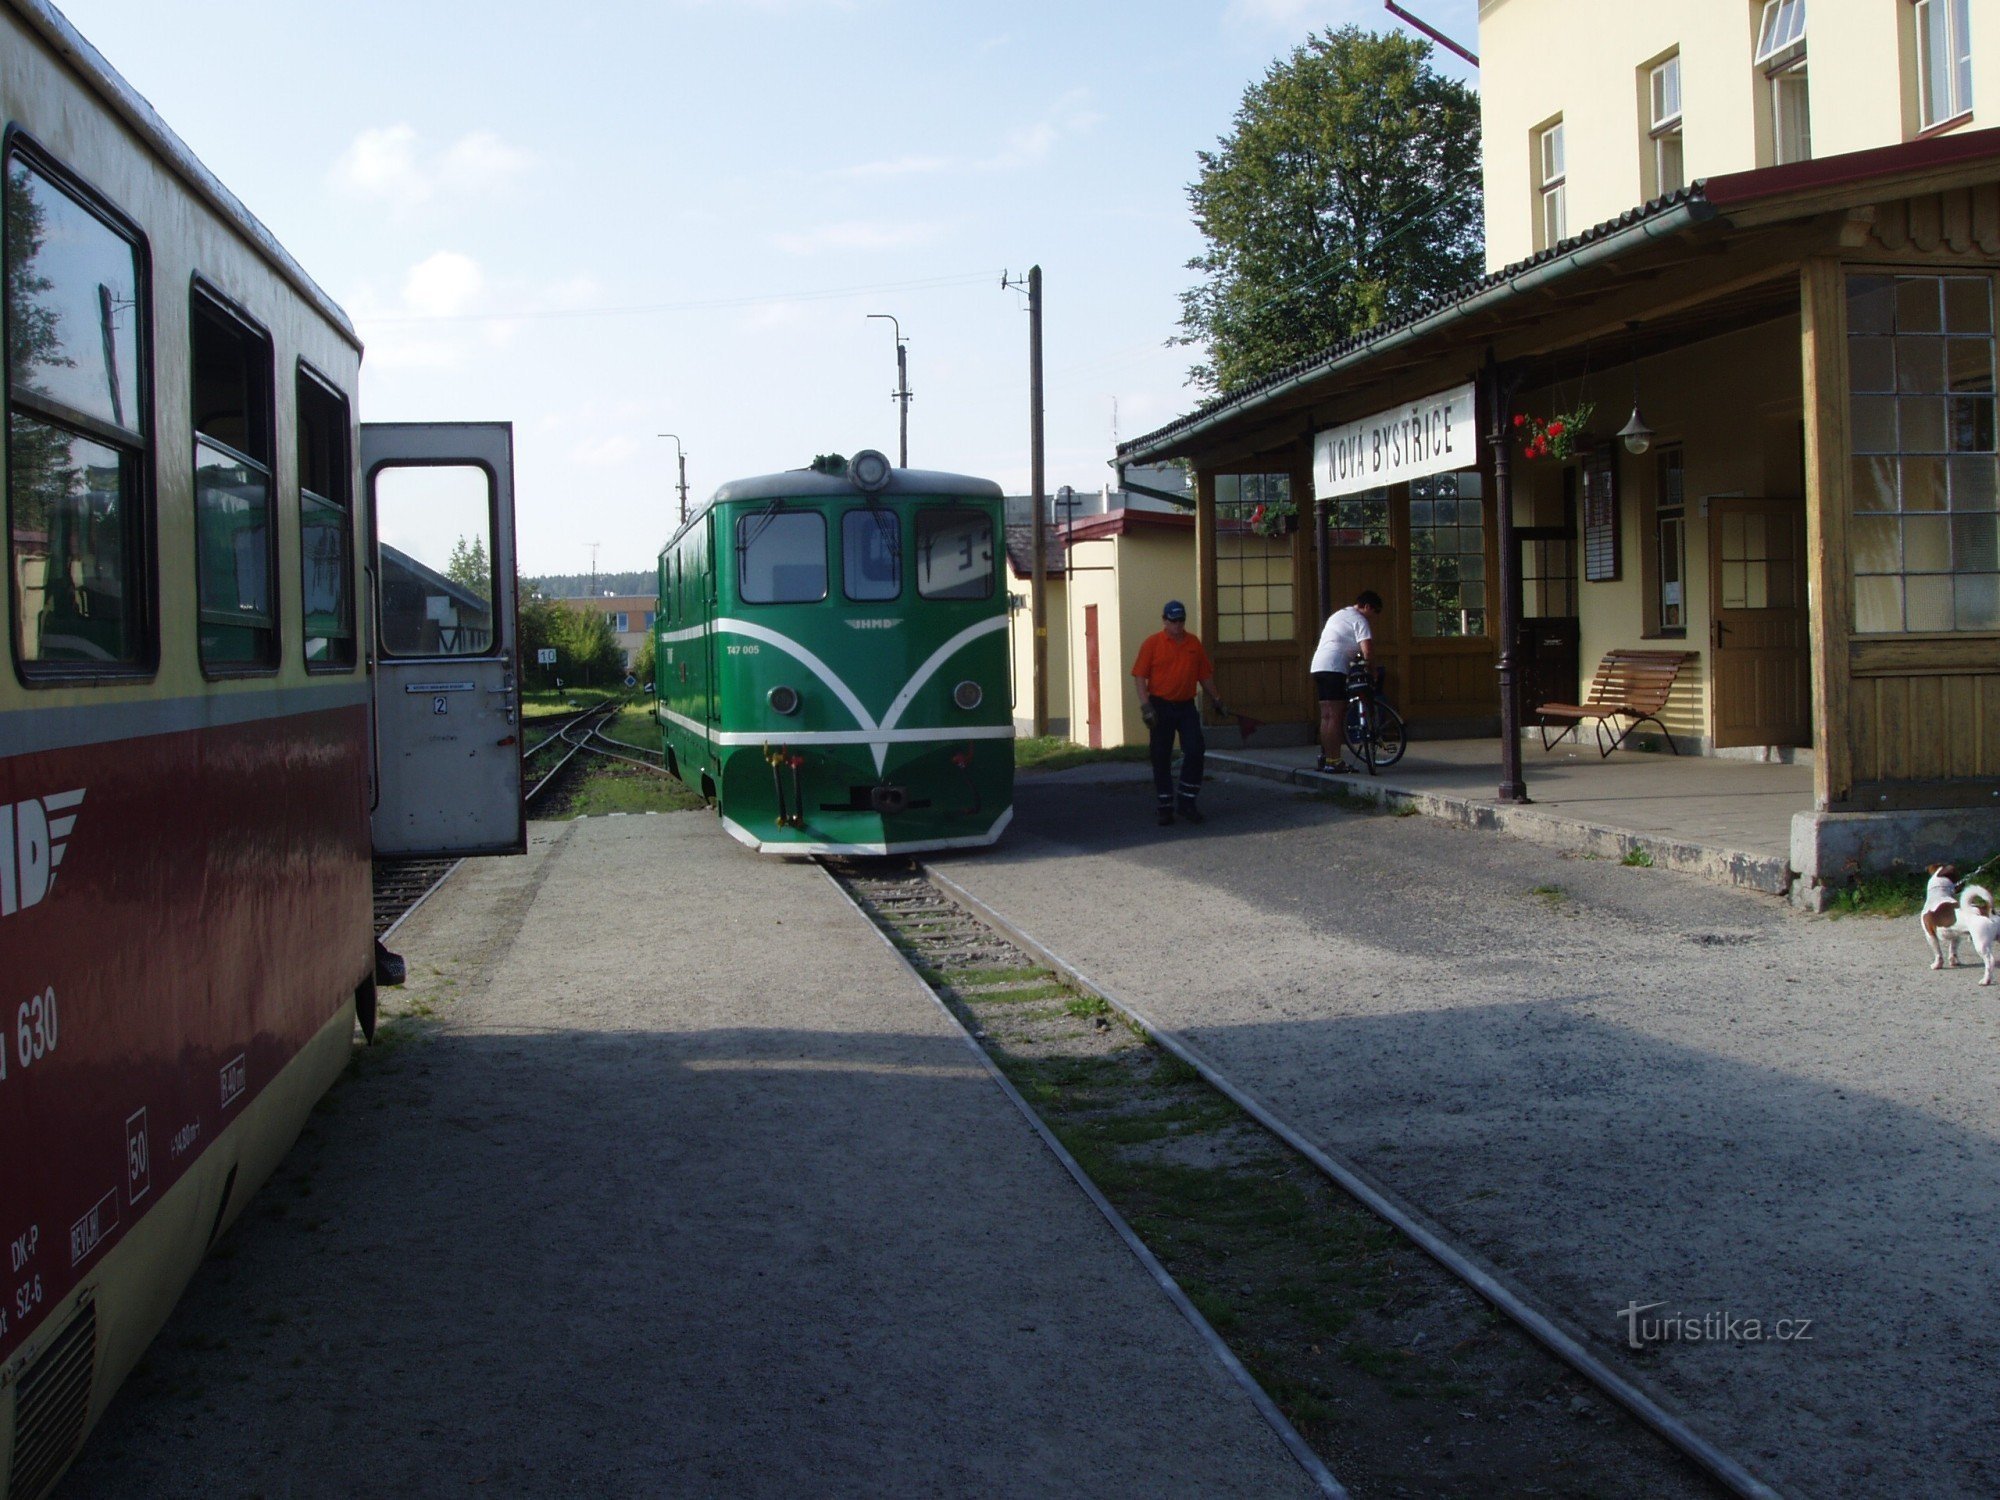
(781, 557)
(234, 544)
(436, 571)
(954, 554)
(871, 555)
(326, 525)
(78, 429)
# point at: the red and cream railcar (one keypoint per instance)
(203, 714)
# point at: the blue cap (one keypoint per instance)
(1175, 610)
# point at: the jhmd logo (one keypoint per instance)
(33, 835)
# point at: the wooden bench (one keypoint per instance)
(1630, 685)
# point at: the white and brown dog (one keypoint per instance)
(1950, 914)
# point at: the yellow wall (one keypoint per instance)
(1021, 645)
(1734, 404)
(1129, 578)
(1587, 61)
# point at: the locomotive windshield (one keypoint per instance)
(954, 554)
(871, 555)
(781, 557)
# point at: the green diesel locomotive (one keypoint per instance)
(831, 659)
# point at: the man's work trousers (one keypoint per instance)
(1183, 719)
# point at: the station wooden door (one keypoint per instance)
(1757, 592)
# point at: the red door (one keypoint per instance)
(1093, 712)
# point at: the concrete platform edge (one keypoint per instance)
(1767, 873)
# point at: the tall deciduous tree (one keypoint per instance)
(1347, 192)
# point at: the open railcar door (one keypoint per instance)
(447, 702)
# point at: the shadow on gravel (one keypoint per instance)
(730, 1262)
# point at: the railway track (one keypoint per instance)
(1014, 998)
(402, 885)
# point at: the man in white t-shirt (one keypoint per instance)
(1348, 639)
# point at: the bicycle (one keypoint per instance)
(1374, 728)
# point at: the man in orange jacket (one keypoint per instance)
(1171, 665)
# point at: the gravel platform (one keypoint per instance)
(688, 1188)
(1627, 1087)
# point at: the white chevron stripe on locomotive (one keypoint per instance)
(877, 735)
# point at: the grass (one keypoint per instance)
(1900, 893)
(1637, 859)
(1554, 895)
(610, 787)
(1051, 752)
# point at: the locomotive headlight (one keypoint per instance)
(870, 471)
(783, 700)
(968, 695)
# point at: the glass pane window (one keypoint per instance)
(1791, 115)
(234, 541)
(77, 429)
(1666, 93)
(326, 526)
(1448, 595)
(954, 554)
(1925, 476)
(871, 555)
(781, 557)
(1944, 60)
(1554, 218)
(71, 503)
(1781, 27)
(1360, 520)
(1253, 558)
(433, 559)
(1670, 539)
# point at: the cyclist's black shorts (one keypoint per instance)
(1330, 686)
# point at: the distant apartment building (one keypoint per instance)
(631, 617)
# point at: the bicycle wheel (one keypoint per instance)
(1361, 732)
(1389, 738)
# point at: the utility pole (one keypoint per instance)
(1038, 613)
(593, 546)
(901, 395)
(684, 475)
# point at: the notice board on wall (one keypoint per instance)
(1600, 515)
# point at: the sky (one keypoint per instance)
(607, 221)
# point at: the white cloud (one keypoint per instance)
(392, 163)
(856, 234)
(443, 286)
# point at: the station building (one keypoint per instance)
(1745, 252)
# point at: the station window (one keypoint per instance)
(1924, 539)
(1253, 558)
(781, 557)
(954, 554)
(326, 525)
(871, 555)
(234, 541)
(78, 434)
(1447, 556)
(1358, 520)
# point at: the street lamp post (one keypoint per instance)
(682, 455)
(901, 395)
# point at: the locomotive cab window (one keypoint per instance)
(234, 541)
(954, 554)
(78, 430)
(326, 526)
(435, 562)
(871, 555)
(781, 557)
